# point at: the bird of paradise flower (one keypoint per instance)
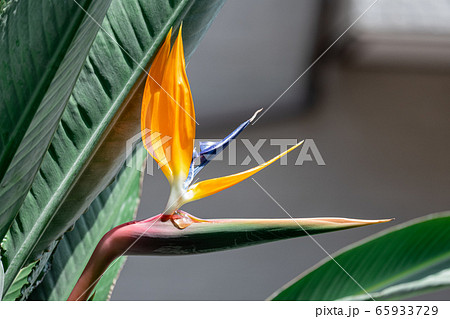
(168, 111)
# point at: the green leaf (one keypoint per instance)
(406, 260)
(30, 277)
(117, 204)
(43, 45)
(21, 280)
(89, 146)
(3, 4)
(108, 281)
(2, 279)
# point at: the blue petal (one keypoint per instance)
(191, 174)
(209, 150)
(204, 146)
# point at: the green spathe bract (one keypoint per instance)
(186, 234)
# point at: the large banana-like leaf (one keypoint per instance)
(2, 279)
(14, 292)
(89, 146)
(117, 204)
(43, 45)
(30, 276)
(404, 261)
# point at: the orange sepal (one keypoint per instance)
(211, 186)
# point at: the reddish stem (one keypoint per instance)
(114, 244)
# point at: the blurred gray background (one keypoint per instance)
(376, 105)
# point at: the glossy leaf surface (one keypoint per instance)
(117, 204)
(43, 45)
(406, 260)
(14, 292)
(2, 279)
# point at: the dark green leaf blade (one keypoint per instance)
(403, 261)
(21, 280)
(117, 204)
(107, 283)
(89, 146)
(42, 49)
(2, 279)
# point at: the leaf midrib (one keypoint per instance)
(414, 270)
(15, 140)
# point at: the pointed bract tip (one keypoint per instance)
(379, 221)
(375, 221)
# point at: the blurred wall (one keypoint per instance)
(252, 51)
